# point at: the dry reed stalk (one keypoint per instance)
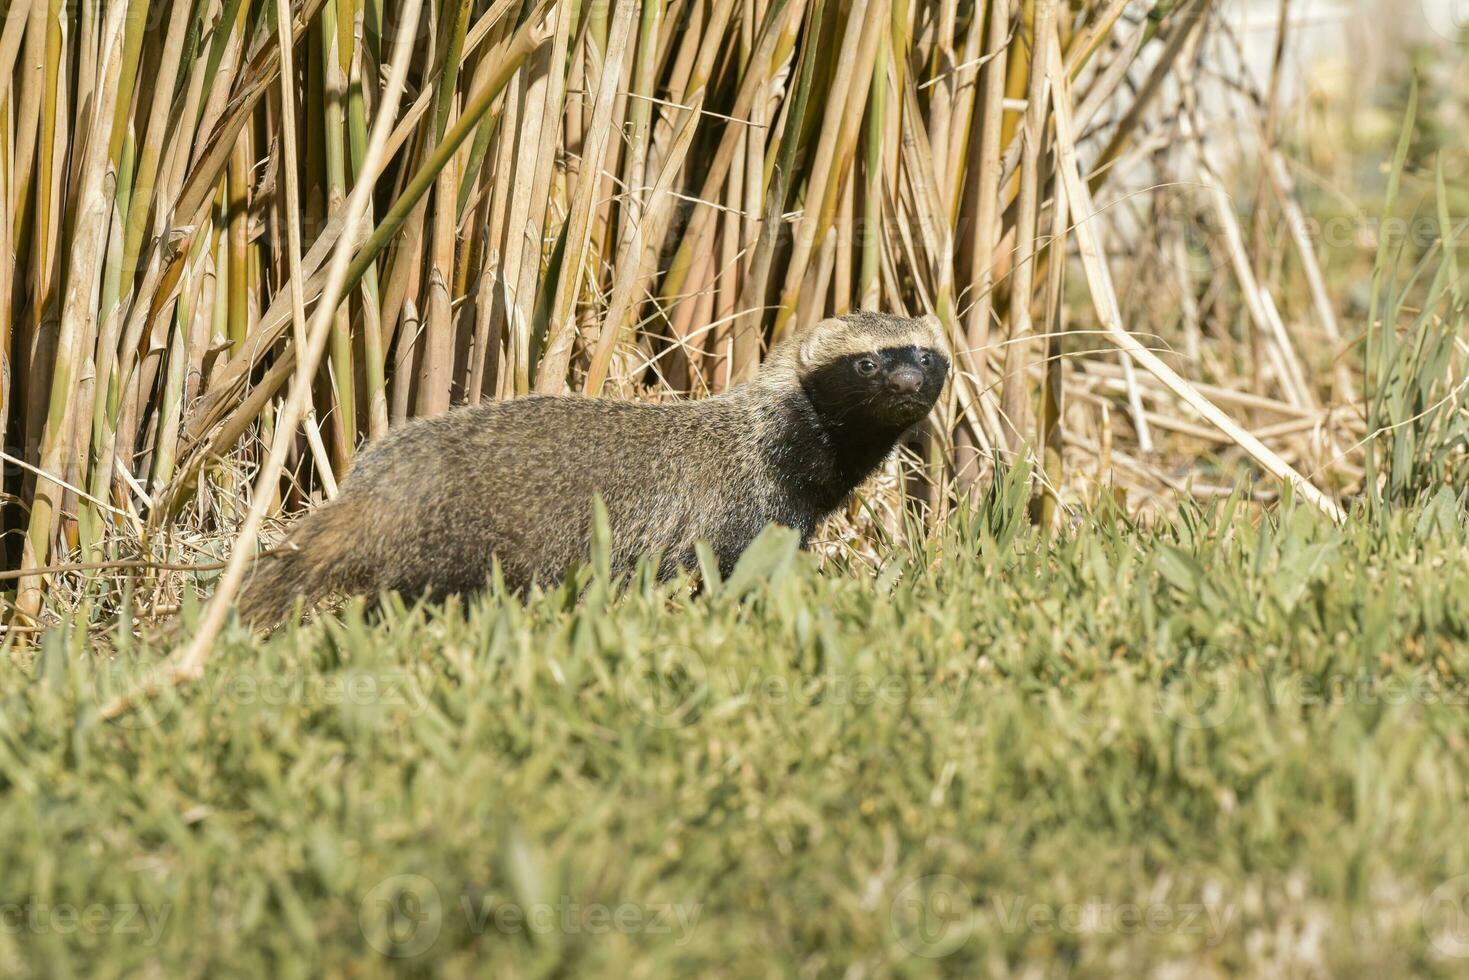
(1014, 397)
(187, 665)
(985, 212)
(551, 377)
(78, 316)
(1111, 317)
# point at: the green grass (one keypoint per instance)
(1238, 744)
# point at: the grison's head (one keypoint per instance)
(872, 369)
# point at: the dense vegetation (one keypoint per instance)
(1229, 743)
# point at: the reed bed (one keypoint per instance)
(243, 238)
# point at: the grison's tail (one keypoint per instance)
(319, 556)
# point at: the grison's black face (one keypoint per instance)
(891, 388)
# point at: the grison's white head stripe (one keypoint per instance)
(864, 333)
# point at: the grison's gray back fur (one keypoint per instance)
(426, 509)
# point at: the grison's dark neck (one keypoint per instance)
(821, 459)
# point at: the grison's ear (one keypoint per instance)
(814, 337)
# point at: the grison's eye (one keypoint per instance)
(925, 359)
(866, 367)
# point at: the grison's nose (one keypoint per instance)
(905, 380)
